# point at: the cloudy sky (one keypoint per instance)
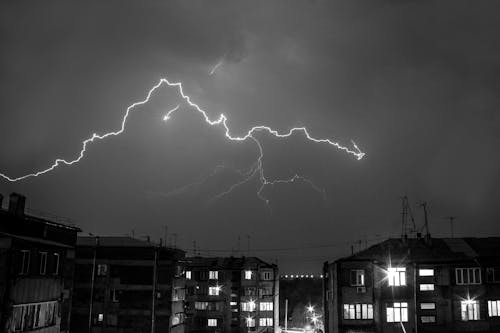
(413, 83)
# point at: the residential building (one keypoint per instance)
(36, 270)
(123, 284)
(232, 294)
(416, 285)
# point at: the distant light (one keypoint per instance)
(310, 308)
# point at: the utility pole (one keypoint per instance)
(452, 220)
(92, 280)
(153, 305)
(426, 221)
(286, 315)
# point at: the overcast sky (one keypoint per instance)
(414, 83)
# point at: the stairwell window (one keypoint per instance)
(188, 275)
(426, 272)
(396, 276)
(212, 322)
(426, 287)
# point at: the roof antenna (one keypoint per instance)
(426, 220)
(452, 220)
(406, 214)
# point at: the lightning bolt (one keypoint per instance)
(220, 121)
(217, 65)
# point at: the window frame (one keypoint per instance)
(43, 258)
(426, 272)
(25, 262)
(401, 308)
(57, 258)
(357, 311)
(396, 276)
(469, 307)
(495, 309)
(359, 277)
(470, 272)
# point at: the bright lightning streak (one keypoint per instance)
(220, 121)
(215, 67)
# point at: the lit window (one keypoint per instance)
(248, 276)
(266, 306)
(470, 310)
(428, 319)
(233, 303)
(250, 322)
(494, 308)
(188, 275)
(357, 277)
(212, 322)
(200, 305)
(428, 306)
(358, 311)
(102, 270)
(100, 317)
(426, 272)
(56, 264)
(213, 291)
(468, 275)
(397, 312)
(43, 263)
(248, 306)
(25, 262)
(213, 275)
(265, 322)
(396, 276)
(426, 287)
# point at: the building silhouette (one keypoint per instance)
(123, 284)
(36, 270)
(417, 284)
(231, 294)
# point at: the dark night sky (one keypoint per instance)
(414, 83)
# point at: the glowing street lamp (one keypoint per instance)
(310, 308)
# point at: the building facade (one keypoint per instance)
(123, 284)
(233, 294)
(415, 285)
(36, 270)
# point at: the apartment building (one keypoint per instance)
(416, 285)
(233, 294)
(36, 270)
(123, 284)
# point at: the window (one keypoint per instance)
(470, 310)
(43, 263)
(200, 305)
(248, 306)
(396, 276)
(213, 275)
(428, 306)
(25, 262)
(267, 276)
(188, 275)
(100, 317)
(250, 322)
(26, 317)
(426, 272)
(357, 277)
(493, 274)
(468, 275)
(114, 295)
(397, 312)
(358, 311)
(265, 322)
(56, 264)
(266, 306)
(248, 276)
(213, 291)
(102, 270)
(426, 287)
(233, 303)
(250, 291)
(428, 319)
(212, 322)
(494, 308)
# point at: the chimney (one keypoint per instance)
(16, 204)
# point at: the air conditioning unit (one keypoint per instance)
(361, 290)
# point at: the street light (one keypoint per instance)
(310, 308)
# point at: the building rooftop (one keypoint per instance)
(430, 249)
(227, 262)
